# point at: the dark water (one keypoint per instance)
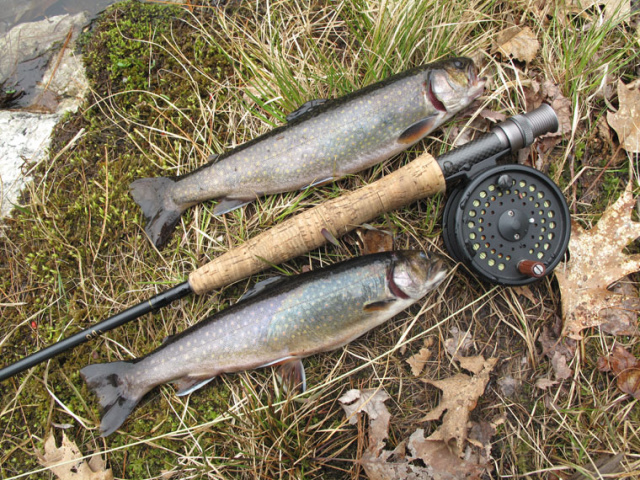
(13, 12)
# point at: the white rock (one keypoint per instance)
(24, 137)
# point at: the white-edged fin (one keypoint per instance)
(186, 385)
(261, 286)
(317, 183)
(228, 204)
(292, 376)
(418, 130)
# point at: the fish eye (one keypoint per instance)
(458, 63)
(423, 255)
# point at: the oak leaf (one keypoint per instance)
(374, 240)
(420, 359)
(627, 369)
(425, 459)
(67, 463)
(626, 121)
(597, 261)
(460, 395)
(519, 43)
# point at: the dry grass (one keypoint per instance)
(280, 55)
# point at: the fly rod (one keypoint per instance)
(421, 178)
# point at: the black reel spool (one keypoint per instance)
(509, 224)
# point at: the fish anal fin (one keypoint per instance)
(226, 205)
(418, 130)
(292, 375)
(319, 183)
(188, 384)
(305, 108)
(378, 306)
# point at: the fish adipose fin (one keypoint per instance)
(117, 399)
(189, 384)
(291, 374)
(228, 204)
(378, 306)
(160, 213)
(418, 130)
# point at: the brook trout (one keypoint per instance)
(299, 316)
(325, 141)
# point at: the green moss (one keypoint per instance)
(79, 228)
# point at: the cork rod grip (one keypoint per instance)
(302, 233)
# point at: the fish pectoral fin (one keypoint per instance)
(261, 286)
(291, 374)
(305, 108)
(189, 384)
(228, 204)
(419, 129)
(378, 306)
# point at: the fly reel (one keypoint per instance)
(509, 224)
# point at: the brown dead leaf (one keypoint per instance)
(460, 395)
(440, 459)
(597, 261)
(626, 121)
(560, 367)
(420, 359)
(622, 320)
(517, 42)
(66, 462)
(375, 241)
(426, 459)
(619, 361)
(459, 343)
(544, 383)
(616, 9)
(626, 367)
(372, 403)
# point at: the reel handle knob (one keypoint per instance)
(531, 268)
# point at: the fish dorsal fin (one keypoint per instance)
(291, 374)
(189, 384)
(378, 306)
(305, 108)
(261, 286)
(418, 130)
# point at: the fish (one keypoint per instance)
(277, 325)
(323, 140)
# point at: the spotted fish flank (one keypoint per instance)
(323, 141)
(279, 325)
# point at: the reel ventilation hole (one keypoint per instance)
(510, 225)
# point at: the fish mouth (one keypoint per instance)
(437, 273)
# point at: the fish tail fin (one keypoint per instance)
(117, 396)
(160, 212)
